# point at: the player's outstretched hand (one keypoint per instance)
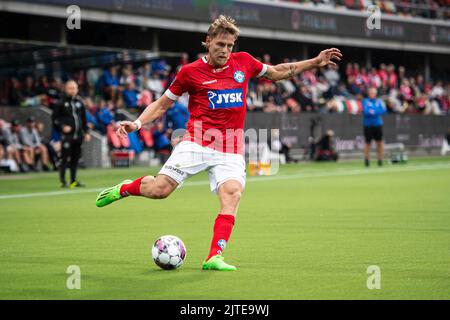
(125, 127)
(325, 57)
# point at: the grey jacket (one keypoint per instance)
(30, 138)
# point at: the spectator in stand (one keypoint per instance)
(91, 115)
(161, 138)
(7, 153)
(437, 91)
(177, 117)
(127, 75)
(130, 96)
(42, 85)
(144, 73)
(92, 79)
(109, 83)
(332, 77)
(156, 85)
(272, 100)
(401, 75)
(383, 74)
(303, 97)
(393, 103)
(374, 79)
(362, 79)
(54, 92)
(53, 155)
(343, 91)
(255, 99)
(353, 88)
(106, 116)
(349, 70)
(406, 94)
(29, 89)
(160, 68)
(11, 152)
(145, 98)
(420, 83)
(30, 138)
(23, 154)
(15, 95)
(392, 76)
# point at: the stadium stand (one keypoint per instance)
(134, 87)
(430, 9)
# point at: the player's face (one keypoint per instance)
(372, 93)
(220, 48)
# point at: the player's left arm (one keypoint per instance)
(288, 70)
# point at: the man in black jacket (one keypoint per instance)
(69, 118)
(326, 151)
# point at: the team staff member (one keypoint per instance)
(373, 109)
(69, 119)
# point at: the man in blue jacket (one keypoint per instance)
(373, 109)
(177, 116)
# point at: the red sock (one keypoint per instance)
(222, 231)
(132, 188)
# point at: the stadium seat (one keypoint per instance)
(146, 135)
(114, 140)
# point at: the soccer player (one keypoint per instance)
(217, 86)
(373, 109)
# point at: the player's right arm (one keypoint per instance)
(153, 111)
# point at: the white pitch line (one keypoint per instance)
(310, 174)
(49, 193)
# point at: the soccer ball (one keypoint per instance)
(169, 252)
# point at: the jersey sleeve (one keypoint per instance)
(178, 86)
(255, 68)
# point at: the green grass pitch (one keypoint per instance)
(309, 232)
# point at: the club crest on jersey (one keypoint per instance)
(231, 98)
(239, 76)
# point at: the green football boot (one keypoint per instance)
(216, 263)
(110, 195)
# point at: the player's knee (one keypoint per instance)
(234, 193)
(160, 192)
(155, 188)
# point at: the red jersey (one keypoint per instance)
(217, 100)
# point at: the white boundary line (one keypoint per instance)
(311, 174)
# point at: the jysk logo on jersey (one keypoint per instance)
(239, 76)
(231, 98)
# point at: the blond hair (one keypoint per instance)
(223, 24)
